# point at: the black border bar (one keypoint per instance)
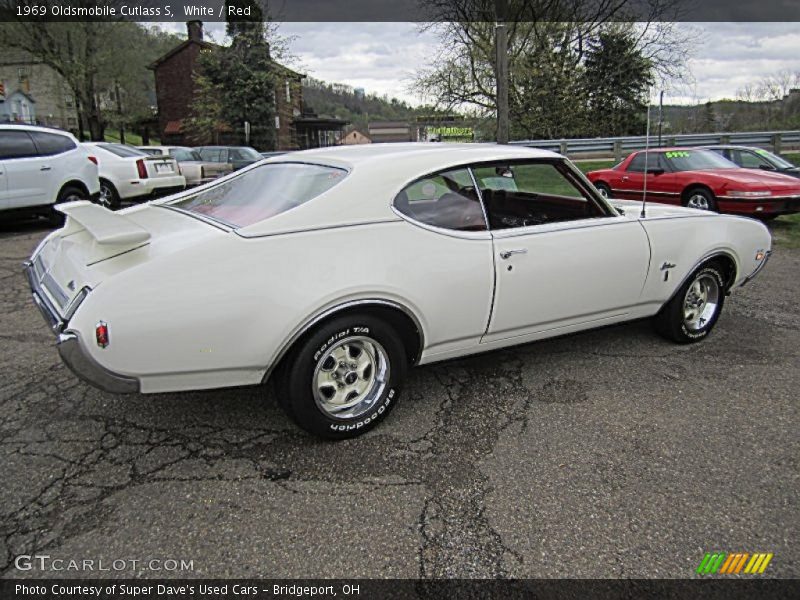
(404, 10)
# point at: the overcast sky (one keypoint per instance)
(382, 57)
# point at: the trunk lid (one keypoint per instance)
(161, 166)
(96, 244)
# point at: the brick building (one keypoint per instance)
(175, 91)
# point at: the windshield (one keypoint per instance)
(184, 154)
(696, 160)
(122, 150)
(261, 193)
(778, 161)
(248, 153)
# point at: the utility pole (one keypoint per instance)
(501, 69)
(660, 108)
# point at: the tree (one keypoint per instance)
(95, 60)
(548, 42)
(616, 83)
(236, 84)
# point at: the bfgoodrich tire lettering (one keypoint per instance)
(344, 378)
(693, 311)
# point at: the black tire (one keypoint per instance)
(109, 197)
(700, 198)
(604, 190)
(672, 322)
(302, 397)
(68, 193)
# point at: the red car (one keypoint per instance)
(699, 179)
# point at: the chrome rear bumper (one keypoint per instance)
(70, 348)
(86, 368)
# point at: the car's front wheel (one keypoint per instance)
(693, 311)
(344, 378)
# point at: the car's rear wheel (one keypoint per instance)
(693, 311)
(109, 197)
(344, 378)
(701, 199)
(604, 190)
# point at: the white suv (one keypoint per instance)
(40, 167)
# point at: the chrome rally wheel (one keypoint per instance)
(344, 377)
(700, 302)
(350, 377)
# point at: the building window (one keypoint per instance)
(68, 101)
(277, 122)
(288, 92)
(22, 74)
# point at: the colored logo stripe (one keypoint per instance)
(732, 564)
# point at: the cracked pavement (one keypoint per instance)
(611, 453)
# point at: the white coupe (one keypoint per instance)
(331, 271)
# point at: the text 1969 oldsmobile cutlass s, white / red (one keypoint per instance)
(331, 271)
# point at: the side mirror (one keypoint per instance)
(766, 167)
(655, 171)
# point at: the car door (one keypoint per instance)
(562, 259)
(28, 175)
(630, 182)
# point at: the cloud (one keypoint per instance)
(383, 57)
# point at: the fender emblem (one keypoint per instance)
(71, 285)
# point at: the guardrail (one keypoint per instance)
(618, 147)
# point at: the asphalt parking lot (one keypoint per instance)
(606, 454)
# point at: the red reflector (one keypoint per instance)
(93, 159)
(101, 333)
(141, 168)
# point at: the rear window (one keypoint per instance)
(262, 192)
(122, 150)
(184, 154)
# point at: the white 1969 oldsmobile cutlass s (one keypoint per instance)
(331, 271)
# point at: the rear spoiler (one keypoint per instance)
(113, 233)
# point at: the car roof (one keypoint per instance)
(377, 173)
(731, 147)
(24, 127)
(429, 156)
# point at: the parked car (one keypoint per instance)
(196, 170)
(699, 179)
(127, 173)
(41, 167)
(237, 157)
(336, 269)
(749, 157)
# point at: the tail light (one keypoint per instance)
(101, 334)
(93, 159)
(141, 169)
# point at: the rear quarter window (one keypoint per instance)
(261, 193)
(50, 144)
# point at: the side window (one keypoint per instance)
(236, 154)
(637, 163)
(748, 160)
(446, 200)
(533, 193)
(16, 144)
(211, 154)
(50, 144)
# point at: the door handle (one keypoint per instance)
(506, 254)
(45, 168)
(625, 178)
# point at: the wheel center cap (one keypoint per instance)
(350, 378)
